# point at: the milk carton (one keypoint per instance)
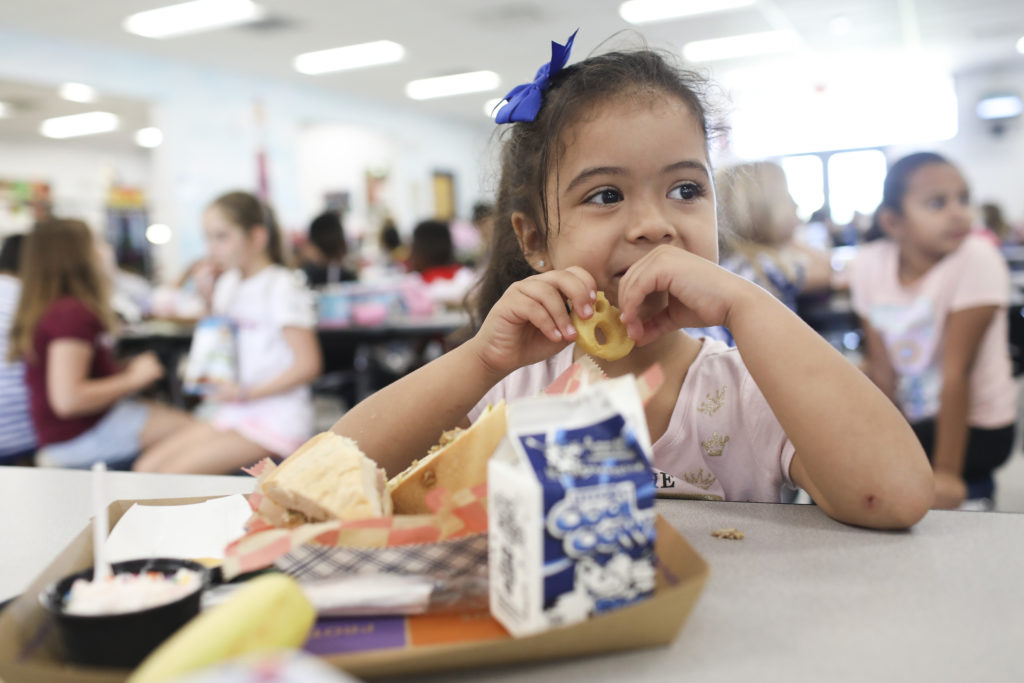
(212, 356)
(571, 508)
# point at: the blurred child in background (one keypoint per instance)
(269, 412)
(17, 436)
(932, 300)
(327, 249)
(758, 219)
(81, 402)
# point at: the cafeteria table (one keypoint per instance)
(346, 348)
(800, 598)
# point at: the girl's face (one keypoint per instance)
(634, 175)
(937, 214)
(228, 244)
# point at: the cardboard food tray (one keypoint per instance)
(30, 652)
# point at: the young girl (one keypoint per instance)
(78, 398)
(269, 412)
(932, 300)
(608, 187)
(758, 219)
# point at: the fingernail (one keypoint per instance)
(558, 335)
(588, 310)
(570, 331)
(593, 295)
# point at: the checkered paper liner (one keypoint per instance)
(452, 558)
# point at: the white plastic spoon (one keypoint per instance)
(100, 567)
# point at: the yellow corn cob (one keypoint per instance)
(269, 612)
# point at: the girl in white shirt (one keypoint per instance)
(269, 412)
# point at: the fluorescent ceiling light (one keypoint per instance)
(456, 84)
(646, 11)
(158, 233)
(149, 137)
(999, 107)
(5, 110)
(741, 46)
(75, 125)
(1020, 45)
(78, 92)
(349, 57)
(192, 17)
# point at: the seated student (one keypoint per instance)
(432, 255)
(932, 301)
(396, 254)
(324, 260)
(81, 403)
(269, 411)
(17, 436)
(758, 220)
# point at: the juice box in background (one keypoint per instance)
(213, 355)
(571, 508)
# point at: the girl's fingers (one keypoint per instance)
(548, 312)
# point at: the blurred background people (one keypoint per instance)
(757, 218)
(932, 301)
(82, 404)
(325, 251)
(17, 435)
(269, 411)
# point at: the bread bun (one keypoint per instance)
(458, 462)
(328, 477)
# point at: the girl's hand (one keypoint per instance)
(950, 491)
(228, 392)
(530, 323)
(145, 369)
(699, 293)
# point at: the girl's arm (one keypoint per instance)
(877, 365)
(306, 366)
(401, 421)
(528, 324)
(855, 453)
(72, 393)
(964, 331)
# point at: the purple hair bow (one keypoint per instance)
(523, 101)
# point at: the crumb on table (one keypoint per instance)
(729, 533)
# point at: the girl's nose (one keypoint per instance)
(650, 224)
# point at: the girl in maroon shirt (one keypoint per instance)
(79, 398)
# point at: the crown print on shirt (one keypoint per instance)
(699, 479)
(714, 444)
(711, 403)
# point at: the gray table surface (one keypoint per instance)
(800, 598)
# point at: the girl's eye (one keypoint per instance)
(605, 196)
(686, 192)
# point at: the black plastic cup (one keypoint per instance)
(122, 640)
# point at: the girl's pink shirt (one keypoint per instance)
(912, 319)
(723, 441)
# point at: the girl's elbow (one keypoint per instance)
(64, 407)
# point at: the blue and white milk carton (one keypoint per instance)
(571, 508)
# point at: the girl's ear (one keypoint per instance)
(260, 237)
(531, 241)
(891, 223)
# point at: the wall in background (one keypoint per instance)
(79, 174)
(213, 130)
